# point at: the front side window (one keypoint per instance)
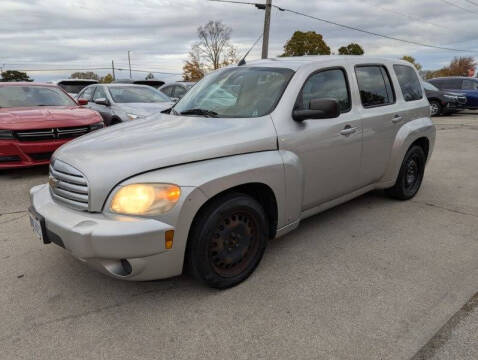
(179, 91)
(325, 84)
(409, 82)
(168, 90)
(87, 93)
(136, 94)
(241, 92)
(451, 84)
(469, 85)
(99, 93)
(26, 96)
(375, 85)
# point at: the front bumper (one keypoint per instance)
(16, 154)
(124, 247)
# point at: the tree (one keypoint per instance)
(85, 75)
(213, 45)
(306, 43)
(412, 60)
(351, 49)
(193, 69)
(150, 76)
(211, 52)
(13, 75)
(107, 79)
(459, 66)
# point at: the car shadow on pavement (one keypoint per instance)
(24, 172)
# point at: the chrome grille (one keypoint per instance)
(68, 185)
(51, 134)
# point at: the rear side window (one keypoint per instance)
(374, 85)
(469, 85)
(179, 91)
(325, 84)
(409, 83)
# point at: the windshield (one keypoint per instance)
(74, 87)
(136, 94)
(25, 96)
(429, 86)
(237, 92)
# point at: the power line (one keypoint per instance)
(348, 26)
(472, 2)
(97, 68)
(458, 6)
(373, 33)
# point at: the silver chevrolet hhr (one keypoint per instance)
(243, 157)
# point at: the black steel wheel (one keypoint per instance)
(410, 176)
(227, 240)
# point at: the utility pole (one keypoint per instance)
(113, 68)
(267, 26)
(129, 62)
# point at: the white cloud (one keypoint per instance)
(91, 33)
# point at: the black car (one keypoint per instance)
(443, 102)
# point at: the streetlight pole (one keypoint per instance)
(267, 26)
(129, 62)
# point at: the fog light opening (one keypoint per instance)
(168, 239)
(127, 268)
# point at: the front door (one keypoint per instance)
(329, 149)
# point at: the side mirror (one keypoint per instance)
(319, 109)
(102, 101)
(82, 102)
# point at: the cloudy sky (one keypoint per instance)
(70, 34)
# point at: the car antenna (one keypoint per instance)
(243, 60)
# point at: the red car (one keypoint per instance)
(36, 119)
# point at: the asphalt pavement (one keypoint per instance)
(372, 279)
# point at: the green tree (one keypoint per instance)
(13, 75)
(150, 76)
(85, 75)
(412, 60)
(107, 79)
(306, 43)
(351, 49)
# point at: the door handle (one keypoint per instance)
(397, 119)
(348, 130)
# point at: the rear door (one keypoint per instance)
(381, 117)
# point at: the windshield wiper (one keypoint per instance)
(204, 112)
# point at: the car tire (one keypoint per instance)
(227, 240)
(410, 176)
(435, 108)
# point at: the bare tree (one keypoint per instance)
(213, 45)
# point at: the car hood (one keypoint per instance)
(145, 109)
(41, 117)
(159, 141)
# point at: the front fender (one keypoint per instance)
(203, 180)
(406, 136)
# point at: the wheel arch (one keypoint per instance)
(420, 132)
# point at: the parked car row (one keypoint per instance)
(443, 102)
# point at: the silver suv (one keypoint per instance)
(242, 158)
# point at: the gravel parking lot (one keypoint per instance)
(372, 279)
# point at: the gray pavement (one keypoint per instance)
(371, 279)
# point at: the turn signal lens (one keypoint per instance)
(168, 239)
(145, 199)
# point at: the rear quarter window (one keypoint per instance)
(409, 82)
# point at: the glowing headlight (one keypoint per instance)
(145, 199)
